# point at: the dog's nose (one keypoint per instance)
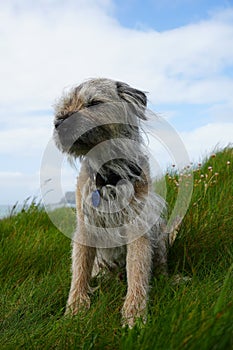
(58, 122)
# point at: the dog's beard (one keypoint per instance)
(67, 140)
(77, 133)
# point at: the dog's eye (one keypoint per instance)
(93, 103)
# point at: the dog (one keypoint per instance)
(120, 220)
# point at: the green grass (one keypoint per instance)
(196, 314)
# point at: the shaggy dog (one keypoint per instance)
(119, 217)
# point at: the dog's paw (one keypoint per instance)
(74, 306)
(132, 320)
(133, 313)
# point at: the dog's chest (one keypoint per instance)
(107, 206)
(111, 257)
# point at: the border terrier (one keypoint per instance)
(119, 217)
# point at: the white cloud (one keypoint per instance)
(168, 147)
(42, 53)
(203, 140)
(23, 142)
(222, 112)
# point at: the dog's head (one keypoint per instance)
(96, 111)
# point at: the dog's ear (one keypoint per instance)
(133, 96)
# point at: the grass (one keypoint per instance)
(192, 314)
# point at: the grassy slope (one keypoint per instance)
(35, 278)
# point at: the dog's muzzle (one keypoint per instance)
(77, 136)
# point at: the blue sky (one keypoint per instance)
(180, 52)
(167, 14)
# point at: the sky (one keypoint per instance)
(179, 51)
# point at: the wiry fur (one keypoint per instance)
(100, 122)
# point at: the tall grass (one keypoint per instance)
(183, 314)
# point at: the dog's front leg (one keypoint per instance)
(82, 264)
(138, 264)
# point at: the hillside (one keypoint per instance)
(184, 313)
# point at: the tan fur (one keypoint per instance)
(126, 228)
(139, 263)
